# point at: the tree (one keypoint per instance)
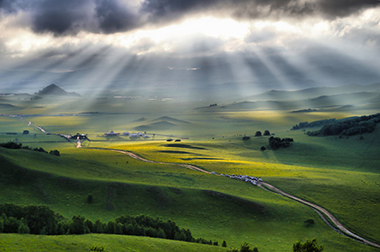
(111, 227)
(39, 217)
(308, 246)
(266, 133)
(98, 227)
(262, 148)
(89, 199)
(23, 228)
(245, 248)
(224, 244)
(77, 225)
(258, 133)
(55, 153)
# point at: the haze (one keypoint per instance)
(245, 46)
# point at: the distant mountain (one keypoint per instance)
(310, 93)
(169, 119)
(53, 89)
(160, 125)
(301, 104)
(141, 119)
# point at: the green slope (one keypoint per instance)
(266, 220)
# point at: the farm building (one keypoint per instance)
(111, 133)
(134, 136)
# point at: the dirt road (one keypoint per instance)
(322, 210)
(132, 155)
(269, 187)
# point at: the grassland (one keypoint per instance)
(339, 174)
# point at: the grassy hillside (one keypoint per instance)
(208, 205)
(14, 242)
(340, 174)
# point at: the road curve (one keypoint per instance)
(269, 188)
(322, 210)
(132, 155)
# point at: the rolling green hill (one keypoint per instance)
(195, 201)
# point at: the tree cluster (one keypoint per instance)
(277, 143)
(258, 133)
(308, 246)
(42, 220)
(16, 146)
(244, 248)
(348, 127)
(318, 123)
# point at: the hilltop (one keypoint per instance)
(53, 89)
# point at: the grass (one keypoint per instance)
(14, 242)
(339, 174)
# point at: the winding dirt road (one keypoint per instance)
(273, 189)
(132, 155)
(322, 210)
(264, 185)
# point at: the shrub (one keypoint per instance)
(266, 133)
(89, 199)
(308, 246)
(97, 249)
(309, 222)
(55, 153)
(224, 244)
(258, 133)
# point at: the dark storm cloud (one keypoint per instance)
(113, 16)
(12, 6)
(342, 8)
(109, 16)
(60, 17)
(159, 10)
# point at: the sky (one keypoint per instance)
(255, 44)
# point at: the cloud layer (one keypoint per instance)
(112, 16)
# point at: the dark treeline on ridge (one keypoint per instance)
(44, 221)
(18, 146)
(348, 127)
(318, 123)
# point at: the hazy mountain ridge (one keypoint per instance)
(53, 89)
(305, 99)
(314, 92)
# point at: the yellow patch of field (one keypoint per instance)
(61, 121)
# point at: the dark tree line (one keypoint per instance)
(318, 123)
(18, 146)
(348, 127)
(41, 220)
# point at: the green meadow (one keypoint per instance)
(340, 174)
